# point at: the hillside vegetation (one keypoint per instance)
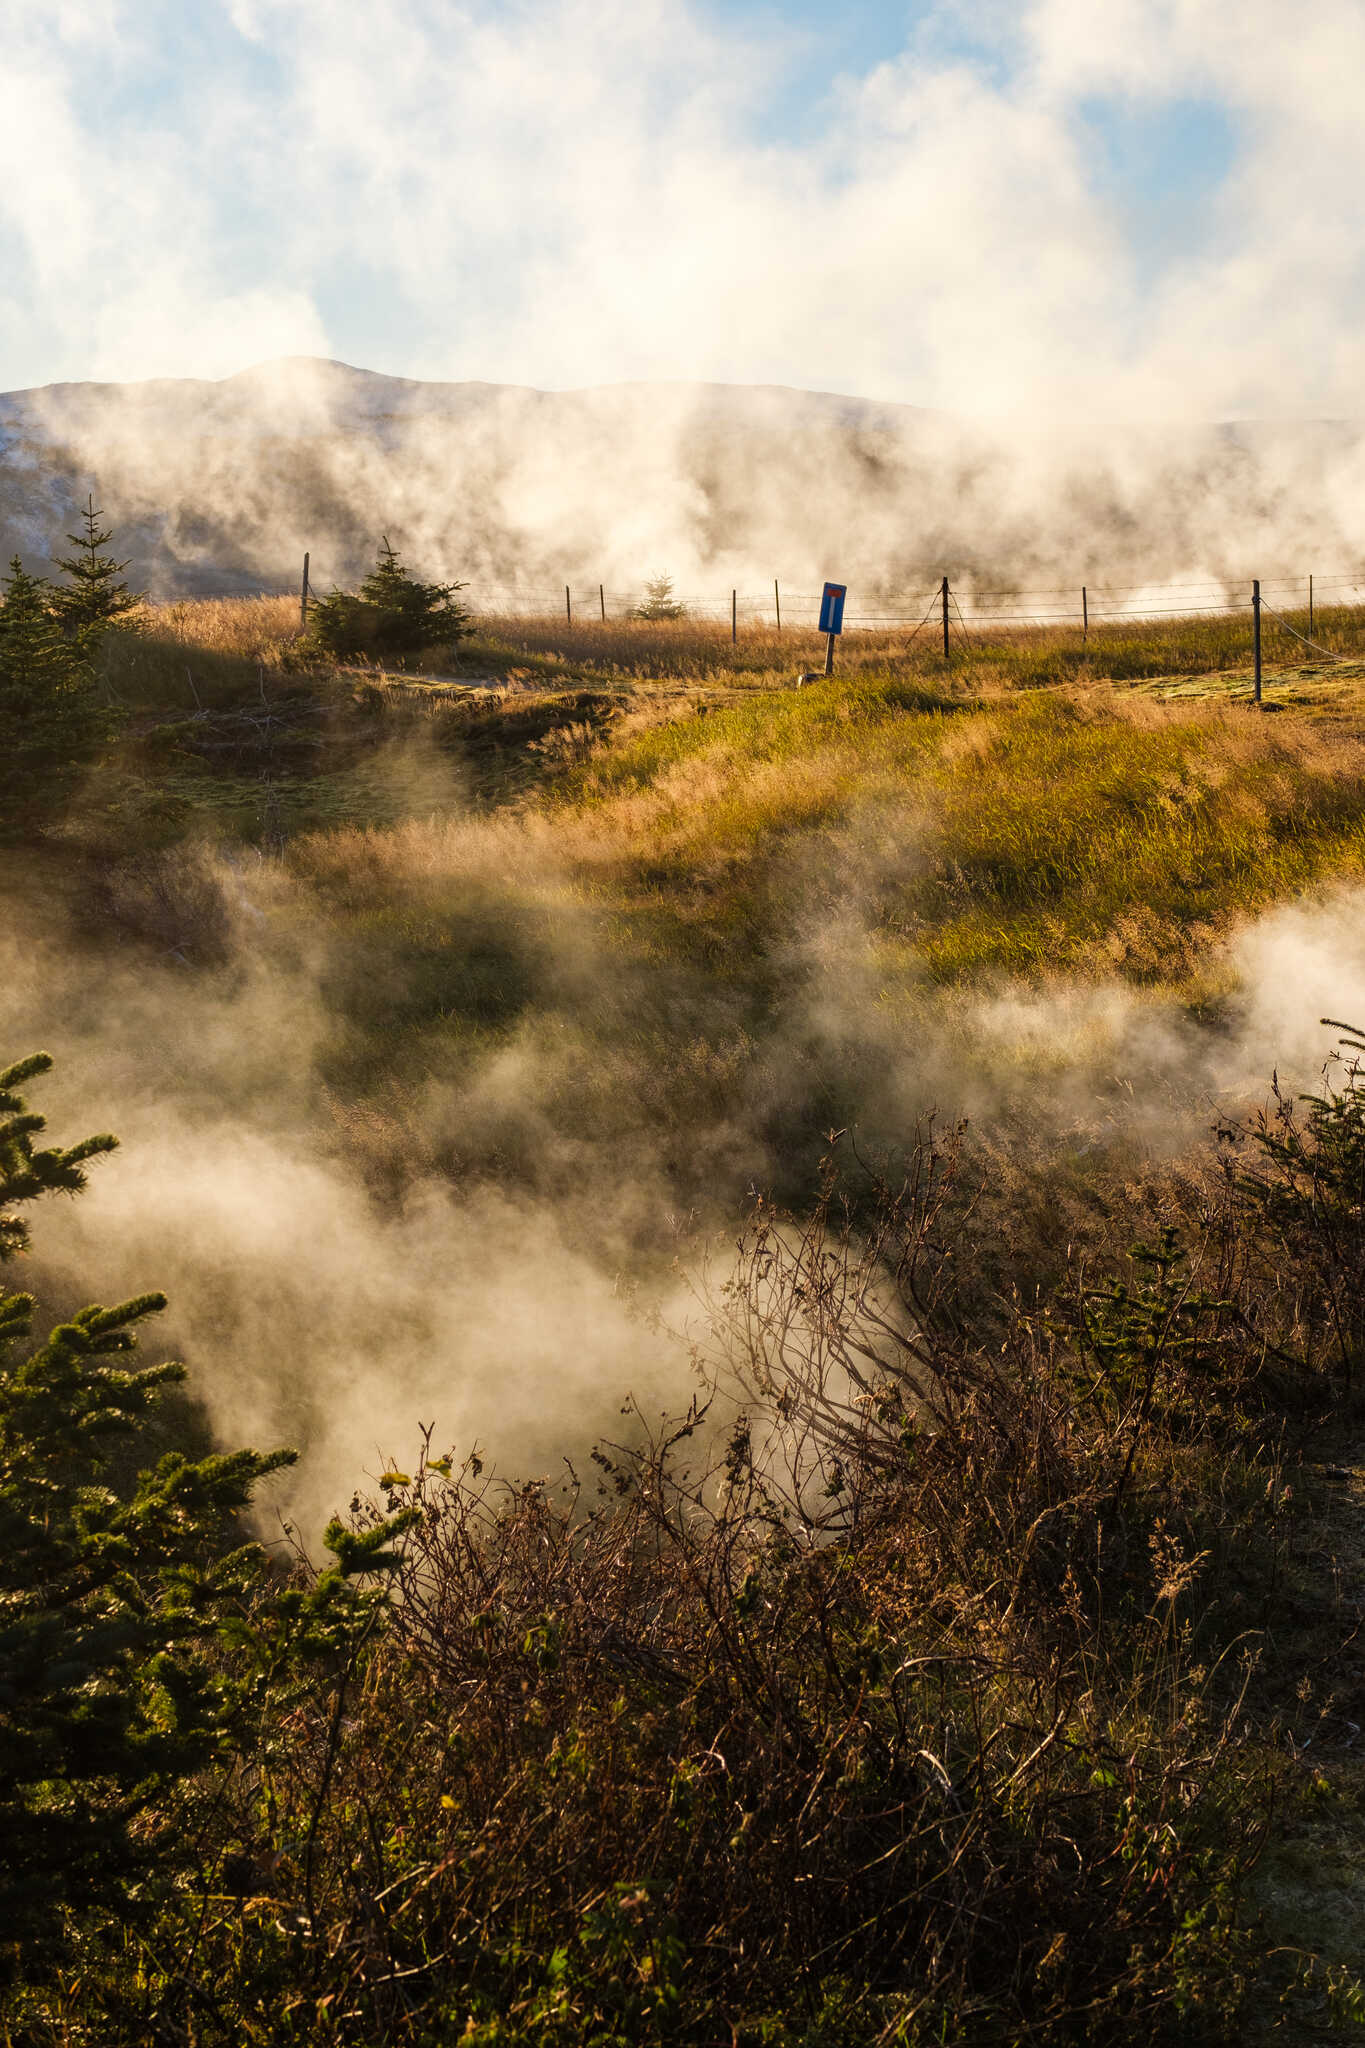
(965, 1652)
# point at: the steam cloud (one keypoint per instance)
(317, 1306)
(218, 487)
(565, 195)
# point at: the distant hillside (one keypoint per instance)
(221, 486)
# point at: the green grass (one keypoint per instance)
(1035, 828)
(1196, 826)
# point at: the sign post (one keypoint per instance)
(832, 619)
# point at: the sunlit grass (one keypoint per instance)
(979, 818)
(197, 652)
(699, 650)
(225, 625)
(1022, 834)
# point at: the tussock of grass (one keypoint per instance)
(1202, 819)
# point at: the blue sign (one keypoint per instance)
(832, 608)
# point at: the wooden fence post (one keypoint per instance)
(1085, 616)
(734, 618)
(777, 601)
(568, 605)
(602, 600)
(303, 597)
(1256, 633)
(947, 656)
(1310, 607)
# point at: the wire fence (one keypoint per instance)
(970, 608)
(956, 610)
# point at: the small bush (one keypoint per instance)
(391, 614)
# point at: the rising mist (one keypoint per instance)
(218, 487)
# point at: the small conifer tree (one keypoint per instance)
(659, 601)
(94, 597)
(120, 1606)
(51, 718)
(391, 614)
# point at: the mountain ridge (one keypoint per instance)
(220, 484)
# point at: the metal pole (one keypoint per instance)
(1085, 616)
(602, 600)
(777, 600)
(829, 655)
(734, 618)
(946, 654)
(1256, 633)
(303, 597)
(1310, 607)
(568, 605)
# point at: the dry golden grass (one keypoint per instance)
(225, 625)
(682, 654)
(696, 650)
(197, 651)
(701, 650)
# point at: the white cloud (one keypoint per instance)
(557, 192)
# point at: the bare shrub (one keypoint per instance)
(174, 898)
(881, 1686)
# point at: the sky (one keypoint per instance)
(1048, 208)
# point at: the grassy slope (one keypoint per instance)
(701, 828)
(1036, 809)
(1202, 814)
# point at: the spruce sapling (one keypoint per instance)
(95, 597)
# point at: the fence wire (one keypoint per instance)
(972, 609)
(1316, 644)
